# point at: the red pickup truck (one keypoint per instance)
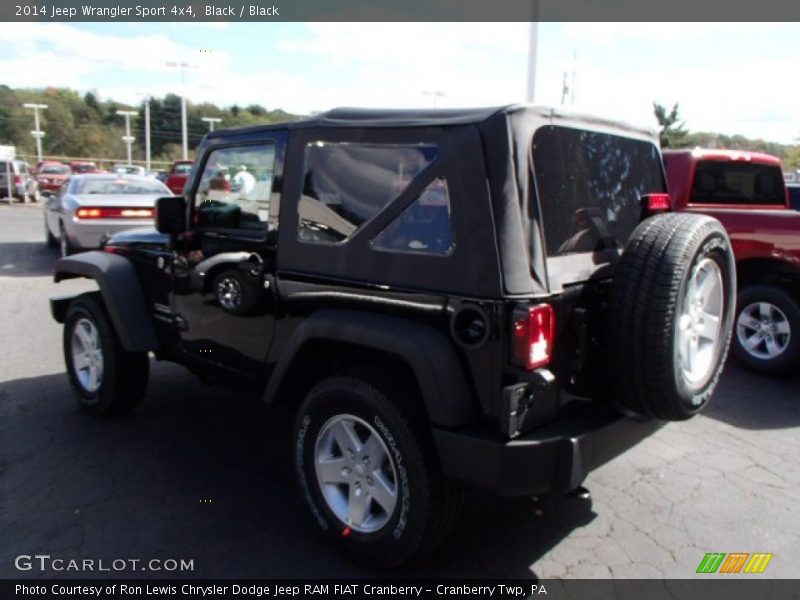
(746, 192)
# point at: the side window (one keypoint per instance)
(345, 185)
(235, 188)
(424, 227)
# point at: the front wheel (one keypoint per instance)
(105, 378)
(767, 330)
(367, 474)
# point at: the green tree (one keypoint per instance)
(673, 133)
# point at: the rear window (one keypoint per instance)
(590, 187)
(121, 186)
(54, 170)
(182, 169)
(726, 182)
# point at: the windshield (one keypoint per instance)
(121, 185)
(54, 170)
(728, 182)
(590, 187)
(84, 167)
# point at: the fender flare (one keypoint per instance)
(121, 292)
(428, 353)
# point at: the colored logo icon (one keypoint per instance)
(735, 562)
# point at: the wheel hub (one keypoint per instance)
(356, 473)
(87, 355)
(699, 324)
(763, 330)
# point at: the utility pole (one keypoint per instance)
(37, 133)
(128, 138)
(435, 94)
(147, 133)
(533, 44)
(183, 65)
(211, 121)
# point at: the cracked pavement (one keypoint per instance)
(202, 472)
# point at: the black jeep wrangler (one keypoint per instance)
(494, 297)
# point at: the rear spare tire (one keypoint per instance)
(671, 305)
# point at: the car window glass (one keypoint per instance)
(345, 185)
(728, 182)
(235, 188)
(121, 185)
(54, 170)
(424, 227)
(590, 186)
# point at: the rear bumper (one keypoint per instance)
(553, 458)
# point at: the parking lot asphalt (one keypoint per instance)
(202, 472)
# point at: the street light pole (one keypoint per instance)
(128, 138)
(147, 133)
(37, 133)
(533, 45)
(211, 121)
(183, 65)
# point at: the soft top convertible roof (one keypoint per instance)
(400, 117)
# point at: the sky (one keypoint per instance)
(727, 77)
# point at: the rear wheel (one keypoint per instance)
(104, 377)
(672, 307)
(49, 238)
(767, 330)
(368, 475)
(63, 242)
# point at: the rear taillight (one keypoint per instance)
(532, 331)
(114, 213)
(17, 179)
(653, 203)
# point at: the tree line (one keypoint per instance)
(83, 125)
(674, 134)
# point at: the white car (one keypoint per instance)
(89, 208)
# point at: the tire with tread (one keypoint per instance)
(125, 374)
(428, 506)
(65, 246)
(647, 293)
(50, 239)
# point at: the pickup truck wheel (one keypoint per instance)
(367, 474)
(105, 378)
(767, 336)
(671, 314)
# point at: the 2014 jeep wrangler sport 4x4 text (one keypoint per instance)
(489, 297)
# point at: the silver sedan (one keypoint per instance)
(89, 208)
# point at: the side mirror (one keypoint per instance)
(171, 215)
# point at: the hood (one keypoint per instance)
(145, 238)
